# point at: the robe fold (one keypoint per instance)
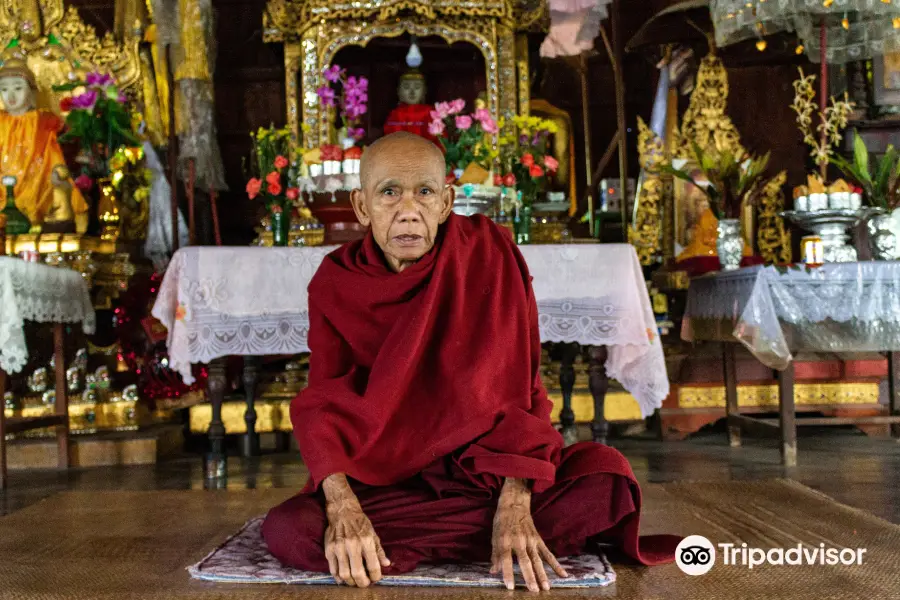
(424, 389)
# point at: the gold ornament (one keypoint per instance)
(761, 45)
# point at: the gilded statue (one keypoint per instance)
(411, 114)
(30, 151)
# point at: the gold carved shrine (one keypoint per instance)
(313, 31)
(706, 124)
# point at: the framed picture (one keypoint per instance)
(886, 79)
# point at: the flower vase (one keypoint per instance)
(281, 227)
(522, 223)
(882, 238)
(730, 244)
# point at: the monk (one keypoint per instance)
(425, 426)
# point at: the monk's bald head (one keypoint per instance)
(399, 149)
(403, 196)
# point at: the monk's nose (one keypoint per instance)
(407, 211)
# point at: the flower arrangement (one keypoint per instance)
(352, 100)
(525, 157)
(97, 118)
(464, 138)
(269, 166)
(132, 180)
(732, 180)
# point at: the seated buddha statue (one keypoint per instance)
(30, 151)
(412, 114)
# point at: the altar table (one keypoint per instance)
(250, 301)
(776, 311)
(36, 292)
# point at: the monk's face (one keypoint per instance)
(16, 95)
(403, 196)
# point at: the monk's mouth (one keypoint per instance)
(408, 239)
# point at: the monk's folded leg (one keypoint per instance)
(413, 524)
(595, 497)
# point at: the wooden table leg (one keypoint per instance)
(599, 385)
(893, 359)
(567, 385)
(215, 459)
(787, 416)
(250, 442)
(62, 401)
(731, 400)
(2, 429)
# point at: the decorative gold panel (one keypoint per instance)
(767, 395)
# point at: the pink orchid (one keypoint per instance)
(436, 128)
(326, 95)
(463, 122)
(443, 109)
(86, 101)
(333, 73)
(457, 106)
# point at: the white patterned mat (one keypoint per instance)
(244, 558)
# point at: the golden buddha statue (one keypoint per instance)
(29, 149)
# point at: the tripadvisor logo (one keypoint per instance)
(696, 555)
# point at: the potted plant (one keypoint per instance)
(271, 181)
(880, 182)
(97, 119)
(466, 140)
(731, 181)
(526, 163)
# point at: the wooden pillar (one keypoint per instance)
(62, 401)
(618, 44)
(567, 385)
(787, 416)
(250, 445)
(599, 385)
(215, 459)
(3, 379)
(731, 401)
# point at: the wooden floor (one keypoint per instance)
(108, 526)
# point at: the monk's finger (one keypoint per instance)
(551, 560)
(357, 569)
(382, 556)
(344, 565)
(332, 563)
(526, 567)
(506, 563)
(373, 564)
(540, 574)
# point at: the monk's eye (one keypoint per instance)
(389, 191)
(426, 191)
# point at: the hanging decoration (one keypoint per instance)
(851, 30)
(574, 24)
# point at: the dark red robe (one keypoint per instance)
(424, 389)
(413, 118)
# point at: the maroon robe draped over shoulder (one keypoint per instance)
(424, 389)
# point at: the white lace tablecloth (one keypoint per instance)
(773, 311)
(225, 301)
(37, 292)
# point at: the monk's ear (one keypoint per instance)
(448, 197)
(358, 200)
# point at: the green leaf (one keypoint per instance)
(860, 155)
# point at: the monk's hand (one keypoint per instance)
(515, 533)
(353, 551)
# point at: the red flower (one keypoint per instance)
(551, 163)
(292, 193)
(498, 180)
(65, 105)
(274, 188)
(276, 208)
(527, 159)
(510, 180)
(84, 183)
(273, 178)
(450, 179)
(253, 187)
(280, 162)
(535, 171)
